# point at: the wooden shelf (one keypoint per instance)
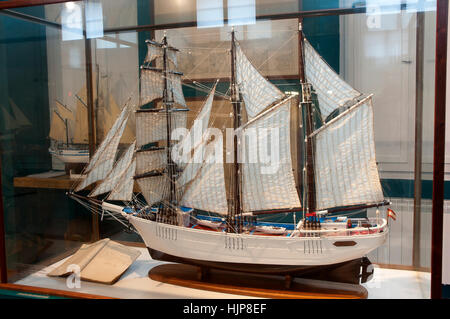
(58, 182)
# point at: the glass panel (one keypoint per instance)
(47, 115)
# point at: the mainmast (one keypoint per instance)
(307, 107)
(233, 223)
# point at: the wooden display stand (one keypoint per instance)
(262, 286)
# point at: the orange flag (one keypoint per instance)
(392, 214)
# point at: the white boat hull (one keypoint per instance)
(221, 247)
(71, 155)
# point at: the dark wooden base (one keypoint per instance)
(75, 168)
(262, 286)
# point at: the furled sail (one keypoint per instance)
(112, 179)
(61, 117)
(196, 134)
(58, 128)
(151, 125)
(346, 170)
(102, 161)
(332, 92)
(267, 174)
(207, 190)
(124, 188)
(257, 92)
(64, 112)
(80, 135)
(150, 160)
(154, 188)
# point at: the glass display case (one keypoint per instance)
(89, 90)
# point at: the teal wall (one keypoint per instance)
(23, 76)
(323, 32)
(33, 217)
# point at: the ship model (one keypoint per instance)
(67, 140)
(187, 211)
(69, 129)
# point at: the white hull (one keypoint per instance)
(212, 246)
(71, 155)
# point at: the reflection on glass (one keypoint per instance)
(72, 22)
(241, 12)
(104, 44)
(94, 20)
(209, 13)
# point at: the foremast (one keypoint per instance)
(157, 172)
(169, 210)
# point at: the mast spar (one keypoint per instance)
(235, 205)
(307, 107)
(170, 164)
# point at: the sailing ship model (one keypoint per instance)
(67, 140)
(189, 212)
(69, 133)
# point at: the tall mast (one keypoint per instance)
(307, 107)
(170, 164)
(234, 209)
(67, 131)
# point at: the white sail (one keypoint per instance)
(154, 188)
(124, 189)
(331, 90)
(257, 92)
(193, 166)
(268, 182)
(111, 181)
(172, 57)
(207, 191)
(153, 51)
(174, 89)
(346, 170)
(196, 134)
(102, 161)
(147, 161)
(152, 86)
(152, 126)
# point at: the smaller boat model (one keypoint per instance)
(209, 223)
(69, 155)
(271, 230)
(68, 134)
